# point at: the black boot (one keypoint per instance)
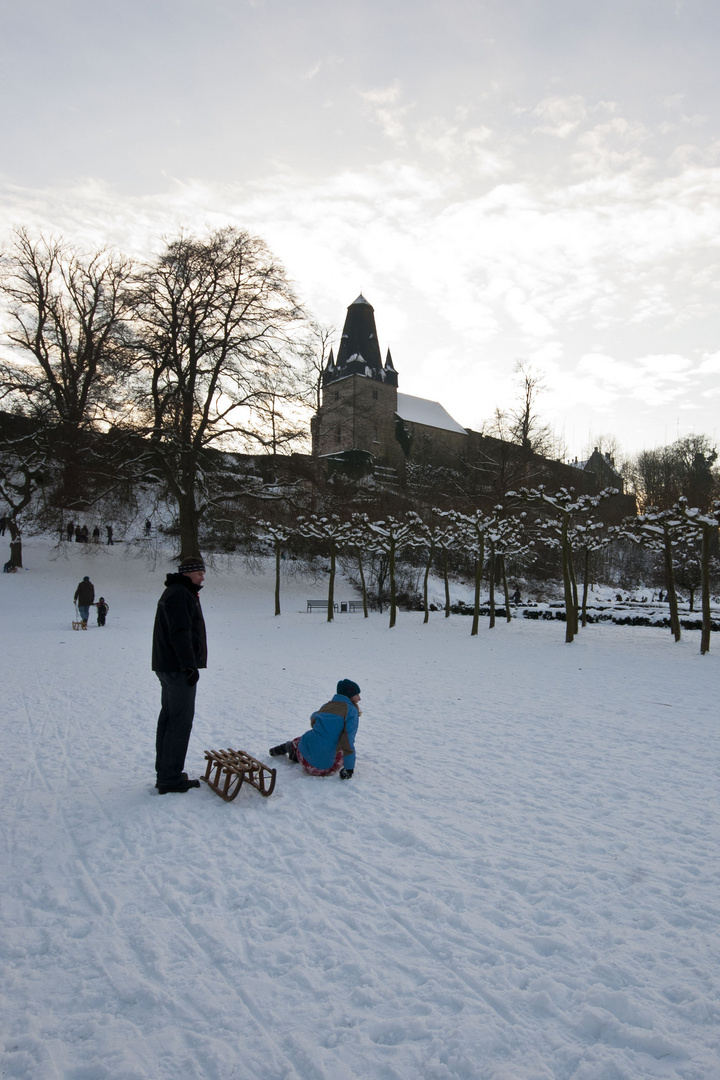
(184, 776)
(180, 788)
(278, 751)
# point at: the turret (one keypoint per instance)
(359, 352)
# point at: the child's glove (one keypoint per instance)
(345, 774)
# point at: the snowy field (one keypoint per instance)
(521, 881)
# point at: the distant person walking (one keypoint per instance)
(148, 526)
(84, 597)
(96, 535)
(70, 530)
(109, 531)
(179, 650)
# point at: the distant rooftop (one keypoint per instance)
(417, 410)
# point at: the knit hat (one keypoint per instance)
(191, 564)
(347, 688)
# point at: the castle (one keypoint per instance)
(363, 417)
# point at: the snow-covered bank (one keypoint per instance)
(520, 881)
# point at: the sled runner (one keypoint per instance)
(228, 769)
(77, 622)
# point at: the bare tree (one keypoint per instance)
(23, 469)
(521, 423)
(215, 318)
(686, 468)
(68, 330)
(314, 353)
(707, 524)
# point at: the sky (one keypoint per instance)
(506, 181)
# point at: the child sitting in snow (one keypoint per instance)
(329, 745)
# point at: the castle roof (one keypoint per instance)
(417, 410)
(359, 337)
(359, 350)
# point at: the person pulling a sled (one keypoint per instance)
(84, 598)
(329, 745)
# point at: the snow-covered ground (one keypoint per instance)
(521, 881)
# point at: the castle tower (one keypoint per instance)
(359, 352)
(359, 396)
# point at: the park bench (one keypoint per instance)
(228, 770)
(342, 607)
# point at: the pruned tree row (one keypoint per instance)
(516, 530)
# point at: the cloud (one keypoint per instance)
(653, 380)
(560, 116)
(388, 111)
(609, 282)
(710, 364)
(613, 146)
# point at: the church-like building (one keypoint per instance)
(364, 417)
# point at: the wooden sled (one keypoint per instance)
(227, 770)
(79, 625)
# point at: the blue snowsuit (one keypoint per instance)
(319, 745)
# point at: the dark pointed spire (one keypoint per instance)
(359, 351)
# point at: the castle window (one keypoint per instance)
(375, 395)
(338, 434)
(337, 395)
(376, 437)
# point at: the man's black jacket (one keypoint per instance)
(179, 640)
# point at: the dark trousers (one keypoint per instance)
(177, 709)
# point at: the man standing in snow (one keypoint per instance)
(84, 597)
(179, 650)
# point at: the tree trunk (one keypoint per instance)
(567, 583)
(381, 578)
(362, 583)
(506, 590)
(331, 585)
(707, 537)
(15, 545)
(431, 552)
(670, 585)
(277, 577)
(393, 606)
(586, 582)
(478, 579)
(491, 575)
(189, 523)
(447, 583)
(576, 601)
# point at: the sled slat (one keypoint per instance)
(232, 768)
